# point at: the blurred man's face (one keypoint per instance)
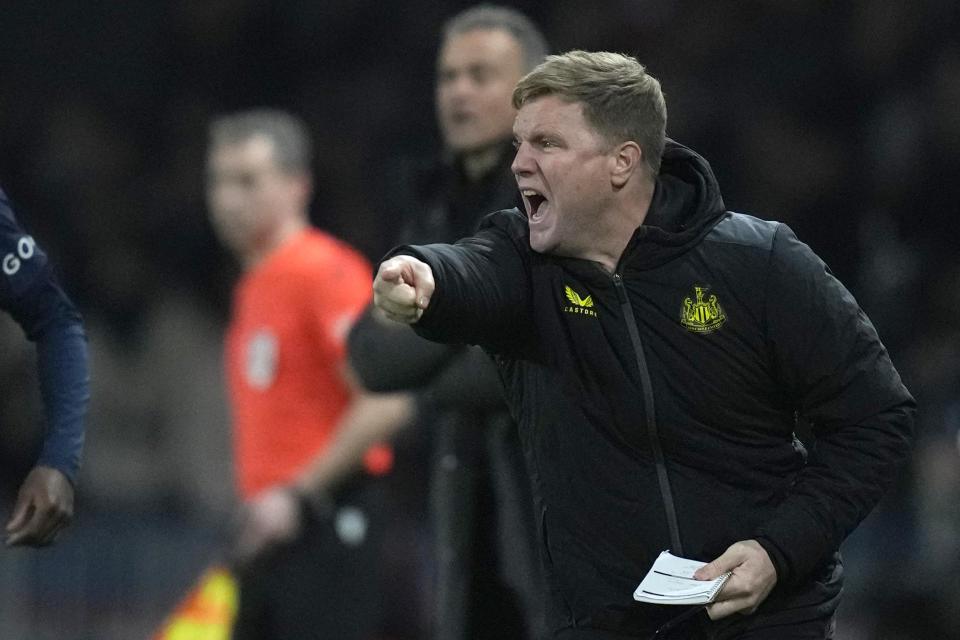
(476, 74)
(247, 193)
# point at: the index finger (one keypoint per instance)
(391, 271)
(26, 533)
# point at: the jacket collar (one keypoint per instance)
(686, 204)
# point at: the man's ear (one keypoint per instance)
(304, 185)
(626, 161)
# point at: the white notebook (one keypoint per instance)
(670, 581)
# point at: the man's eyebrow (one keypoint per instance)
(543, 132)
(481, 65)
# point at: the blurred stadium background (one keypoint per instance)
(840, 118)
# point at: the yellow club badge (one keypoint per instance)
(702, 316)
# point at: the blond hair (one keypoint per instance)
(620, 99)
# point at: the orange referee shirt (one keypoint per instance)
(285, 348)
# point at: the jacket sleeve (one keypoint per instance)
(30, 293)
(63, 364)
(482, 292)
(837, 375)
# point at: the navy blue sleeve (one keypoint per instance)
(30, 293)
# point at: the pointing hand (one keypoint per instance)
(402, 288)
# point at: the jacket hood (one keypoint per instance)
(686, 205)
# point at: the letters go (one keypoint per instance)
(26, 247)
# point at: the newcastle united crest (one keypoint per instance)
(702, 316)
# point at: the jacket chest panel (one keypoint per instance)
(702, 338)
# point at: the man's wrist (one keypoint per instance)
(777, 558)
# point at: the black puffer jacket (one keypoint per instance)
(658, 405)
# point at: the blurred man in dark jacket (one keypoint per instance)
(488, 574)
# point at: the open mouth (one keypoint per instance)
(534, 201)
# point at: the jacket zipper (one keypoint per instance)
(648, 408)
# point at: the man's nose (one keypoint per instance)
(460, 87)
(522, 162)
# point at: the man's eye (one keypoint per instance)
(516, 144)
(480, 76)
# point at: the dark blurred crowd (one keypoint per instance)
(839, 118)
